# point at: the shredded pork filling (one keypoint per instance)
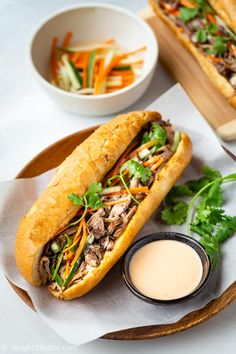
(105, 224)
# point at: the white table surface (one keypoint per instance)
(29, 122)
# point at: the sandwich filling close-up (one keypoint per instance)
(200, 23)
(106, 208)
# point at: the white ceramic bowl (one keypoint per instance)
(94, 22)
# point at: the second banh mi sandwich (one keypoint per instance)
(98, 200)
(207, 29)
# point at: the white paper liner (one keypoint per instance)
(110, 306)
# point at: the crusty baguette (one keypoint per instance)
(226, 9)
(217, 79)
(88, 163)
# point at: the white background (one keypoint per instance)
(29, 121)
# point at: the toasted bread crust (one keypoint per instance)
(217, 79)
(88, 163)
(226, 9)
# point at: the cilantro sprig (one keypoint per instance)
(201, 7)
(90, 199)
(187, 14)
(213, 195)
(175, 213)
(136, 170)
(156, 133)
(202, 214)
(175, 208)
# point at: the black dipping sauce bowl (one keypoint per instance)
(206, 265)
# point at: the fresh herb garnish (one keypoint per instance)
(214, 227)
(212, 28)
(209, 220)
(156, 133)
(76, 199)
(175, 213)
(219, 45)
(201, 36)
(204, 6)
(90, 199)
(136, 170)
(173, 200)
(187, 14)
(225, 179)
(209, 51)
(127, 188)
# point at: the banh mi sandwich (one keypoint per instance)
(206, 28)
(98, 200)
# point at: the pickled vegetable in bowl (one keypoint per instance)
(94, 68)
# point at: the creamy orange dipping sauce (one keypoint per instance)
(165, 269)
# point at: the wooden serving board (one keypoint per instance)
(180, 63)
(52, 157)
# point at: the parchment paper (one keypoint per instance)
(110, 306)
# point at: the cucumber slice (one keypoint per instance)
(177, 138)
(90, 70)
(72, 72)
(120, 68)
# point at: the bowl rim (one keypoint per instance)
(166, 235)
(134, 17)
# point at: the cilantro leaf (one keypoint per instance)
(208, 215)
(204, 6)
(219, 46)
(94, 188)
(196, 185)
(226, 228)
(211, 247)
(175, 214)
(209, 51)
(137, 170)
(90, 199)
(212, 28)
(76, 199)
(92, 195)
(201, 36)
(156, 133)
(216, 219)
(202, 230)
(214, 227)
(187, 14)
(181, 191)
(212, 196)
(211, 173)
(210, 222)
